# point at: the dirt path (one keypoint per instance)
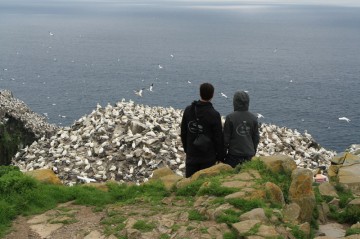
(65, 221)
(168, 219)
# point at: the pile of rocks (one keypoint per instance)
(127, 141)
(17, 109)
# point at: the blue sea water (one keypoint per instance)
(299, 61)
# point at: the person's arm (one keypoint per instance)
(183, 133)
(256, 135)
(218, 138)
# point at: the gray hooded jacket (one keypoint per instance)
(241, 129)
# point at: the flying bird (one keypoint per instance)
(189, 82)
(345, 119)
(51, 34)
(223, 95)
(259, 116)
(151, 87)
(139, 93)
(160, 66)
(172, 56)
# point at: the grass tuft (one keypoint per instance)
(144, 226)
(195, 215)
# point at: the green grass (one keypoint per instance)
(345, 195)
(195, 215)
(280, 179)
(164, 236)
(23, 195)
(246, 205)
(228, 216)
(214, 188)
(144, 226)
(114, 223)
(352, 231)
(190, 190)
(230, 235)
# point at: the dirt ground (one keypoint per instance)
(65, 222)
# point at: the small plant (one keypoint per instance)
(352, 231)
(296, 232)
(190, 228)
(144, 226)
(345, 195)
(351, 214)
(281, 179)
(230, 235)
(190, 190)
(252, 231)
(114, 223)
(246, 205)
(228, 216)
(164, 236)
(214, 188)
(175, 227)
(196, 216)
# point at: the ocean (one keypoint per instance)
(298, 60)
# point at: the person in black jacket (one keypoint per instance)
(241, 131)
(209, 123)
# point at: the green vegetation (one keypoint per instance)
(144, 226)
(230, 235)
(228, 216)
(23, 195)
(280, 179)
(352, 231)
(114, 223)
(195, 215)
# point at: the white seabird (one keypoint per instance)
(189, 82)
(51, 34)
(345, 119)
(160, 66)
(139, 93)
(151, 87)
(259, 116)
(172, 56)
(86, 180)
(223, 95)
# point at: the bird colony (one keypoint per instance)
(10, 106)
(127, 141)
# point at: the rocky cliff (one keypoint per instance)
(19, 126)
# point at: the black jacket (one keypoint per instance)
(211, 121)
(241, 128)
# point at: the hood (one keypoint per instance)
(241, 101)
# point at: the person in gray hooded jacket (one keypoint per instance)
(241, 131)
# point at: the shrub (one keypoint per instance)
(144, 226)
(195, 215)
(246, 205)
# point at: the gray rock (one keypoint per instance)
(255, 214)
(301, 192)
(327, 189)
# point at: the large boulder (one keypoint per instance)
(214, 170)
(279, 163)
(44, 175)
(274, 193)
(301, 192)
(327, 189)
(346, 167)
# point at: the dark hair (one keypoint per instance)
(206, 91)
